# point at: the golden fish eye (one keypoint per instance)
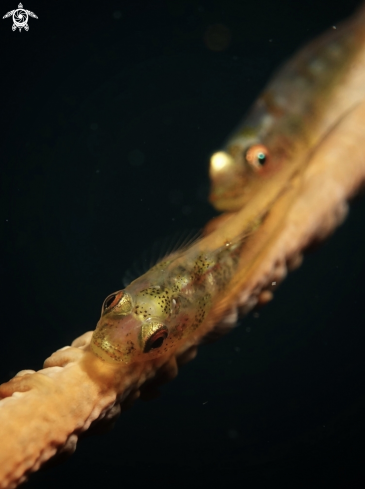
(153, 334)
(257, 156)
(120, 302)
(111, 299)
(156, 340)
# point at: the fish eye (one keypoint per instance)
(158, 332)
(119, 301)
(156, 340)
(257, 156)
(109, 301)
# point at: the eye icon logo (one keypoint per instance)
(20, 18)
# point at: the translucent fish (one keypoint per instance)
(299, 106)
(256, 178)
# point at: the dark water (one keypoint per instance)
(109, 114)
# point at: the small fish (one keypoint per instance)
(163, 307)
(299, 106)
(179, 299)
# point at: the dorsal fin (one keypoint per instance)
(159, 251)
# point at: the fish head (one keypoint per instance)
(254, 154)
(134, 325)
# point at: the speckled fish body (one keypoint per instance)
(292, 115)
(160, 309)
(257, 176)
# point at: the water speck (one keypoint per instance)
(176, 196)
(186, 210)
(233, 434)
(273, 283)
(248, 329)
(167, 120)
(217, 37)
(202, 192)
(136, 157)
(117, 15)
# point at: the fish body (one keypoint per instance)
(260, 168)
(296, 110)
(164, 306)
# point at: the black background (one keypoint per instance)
(109, 112)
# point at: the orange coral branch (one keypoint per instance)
(43, 413)
(46, 412)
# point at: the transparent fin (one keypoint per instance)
(159, 251)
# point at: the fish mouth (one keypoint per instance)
(227, 196)
(229, 180)
(105, 350)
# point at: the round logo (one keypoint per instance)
(20, 17)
